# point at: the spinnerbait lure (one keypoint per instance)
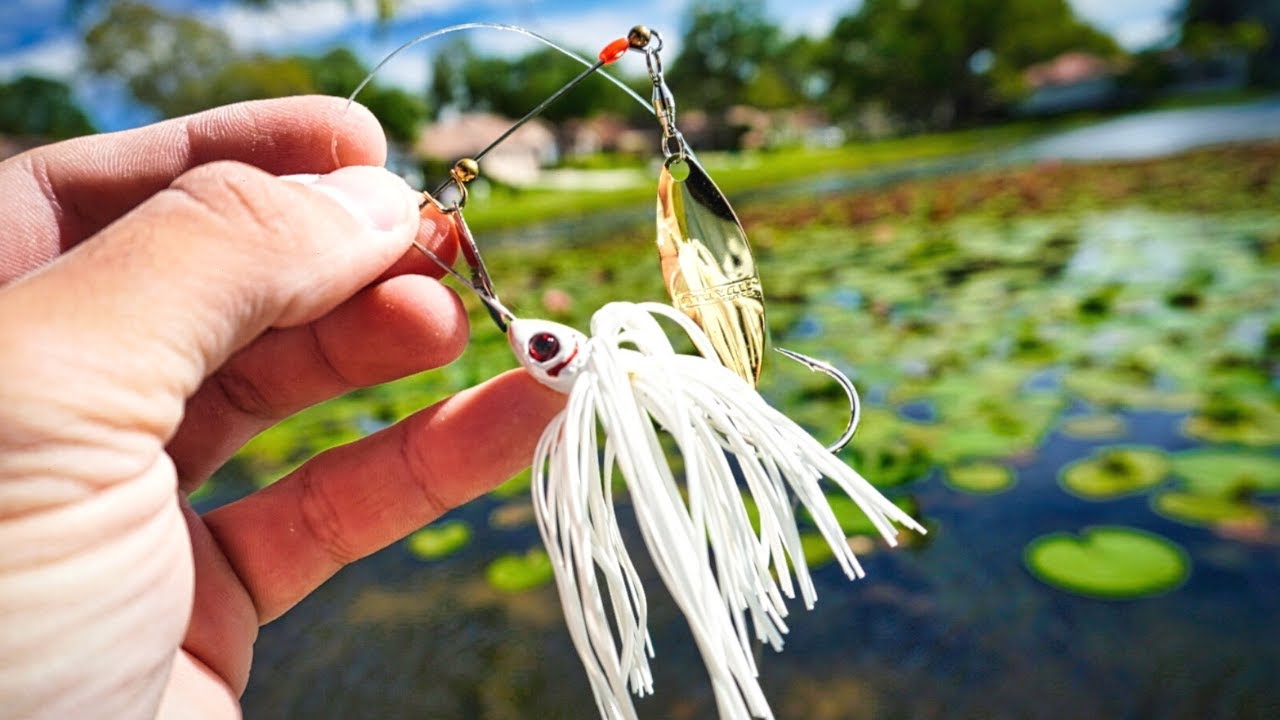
(625, 383)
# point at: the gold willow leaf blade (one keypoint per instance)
(708, 268)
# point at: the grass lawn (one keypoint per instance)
(735, 172)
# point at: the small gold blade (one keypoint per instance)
(708, 268)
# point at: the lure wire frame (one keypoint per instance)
(675, 151)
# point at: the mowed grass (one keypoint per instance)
(505, 207)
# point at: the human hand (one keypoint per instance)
(162, 306)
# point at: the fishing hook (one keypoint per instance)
(855, 403)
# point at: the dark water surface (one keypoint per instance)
(951, 628)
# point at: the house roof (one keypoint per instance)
(469, 133)
(1067, 69)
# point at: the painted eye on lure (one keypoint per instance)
(543, 346)
(551, 352)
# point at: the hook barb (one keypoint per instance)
(855, 403)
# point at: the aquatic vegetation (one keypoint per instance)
(855, 522)
(517, 573)
(439, 540)
(1227, 417)
(1094, 427)
(1108, 562)
(982, 478)
(1115, 471)
(517, 486)
(511, 516)
(1227, 473)
(816, 549)
(1198, 509)
(978, 325)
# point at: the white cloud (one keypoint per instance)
(1142, 34)
(814, 18)
(1135, 24)
(409, 71)
(56, 58)
(284, 23)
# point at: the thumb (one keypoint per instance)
(134, 319)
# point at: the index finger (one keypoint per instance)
(63, 193)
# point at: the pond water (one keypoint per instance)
(1095, 355)
(951, 628)
(1164, 132)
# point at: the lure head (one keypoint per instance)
(552, 353)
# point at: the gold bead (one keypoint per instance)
(639, 37)
(465, 170)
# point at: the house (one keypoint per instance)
(606, 133)
(1072, 81)
(759, 129)
(518, 160)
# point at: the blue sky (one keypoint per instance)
(37, 36)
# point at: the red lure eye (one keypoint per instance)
(543, 347)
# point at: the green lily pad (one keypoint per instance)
(440, 540)
(1227, 473)
(1235, 418)
(851, 518)
(515, 487)
(1197, 509)
(517, 573)
(1114, 472)
(1109, 562)
(980, 478)
(1094, 427)
(753, 511)
(817, 551)
(1110, 387)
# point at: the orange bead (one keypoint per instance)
(614, 50)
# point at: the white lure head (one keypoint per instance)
(551, 352)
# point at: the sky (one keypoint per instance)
(39, 36)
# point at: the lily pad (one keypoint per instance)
(1115, 472)
(1108, 562)
(1094, 427)
(1235, 418)
(440, 540)
(515, 487)
(980, 478)
(817, 551)
(851, 518)
(1228, 473)
(1197, 509)
(517, 573)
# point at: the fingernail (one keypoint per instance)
(377, 198)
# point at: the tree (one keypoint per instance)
(462, 78)
(40, 107)
(178, 65)
(723, 50)
(918, 58)
(165, 59)
(339, 72)
(1216, 27)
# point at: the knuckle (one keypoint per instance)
(421, 468)
(321, 520)
(245, 200)
(242, 393)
